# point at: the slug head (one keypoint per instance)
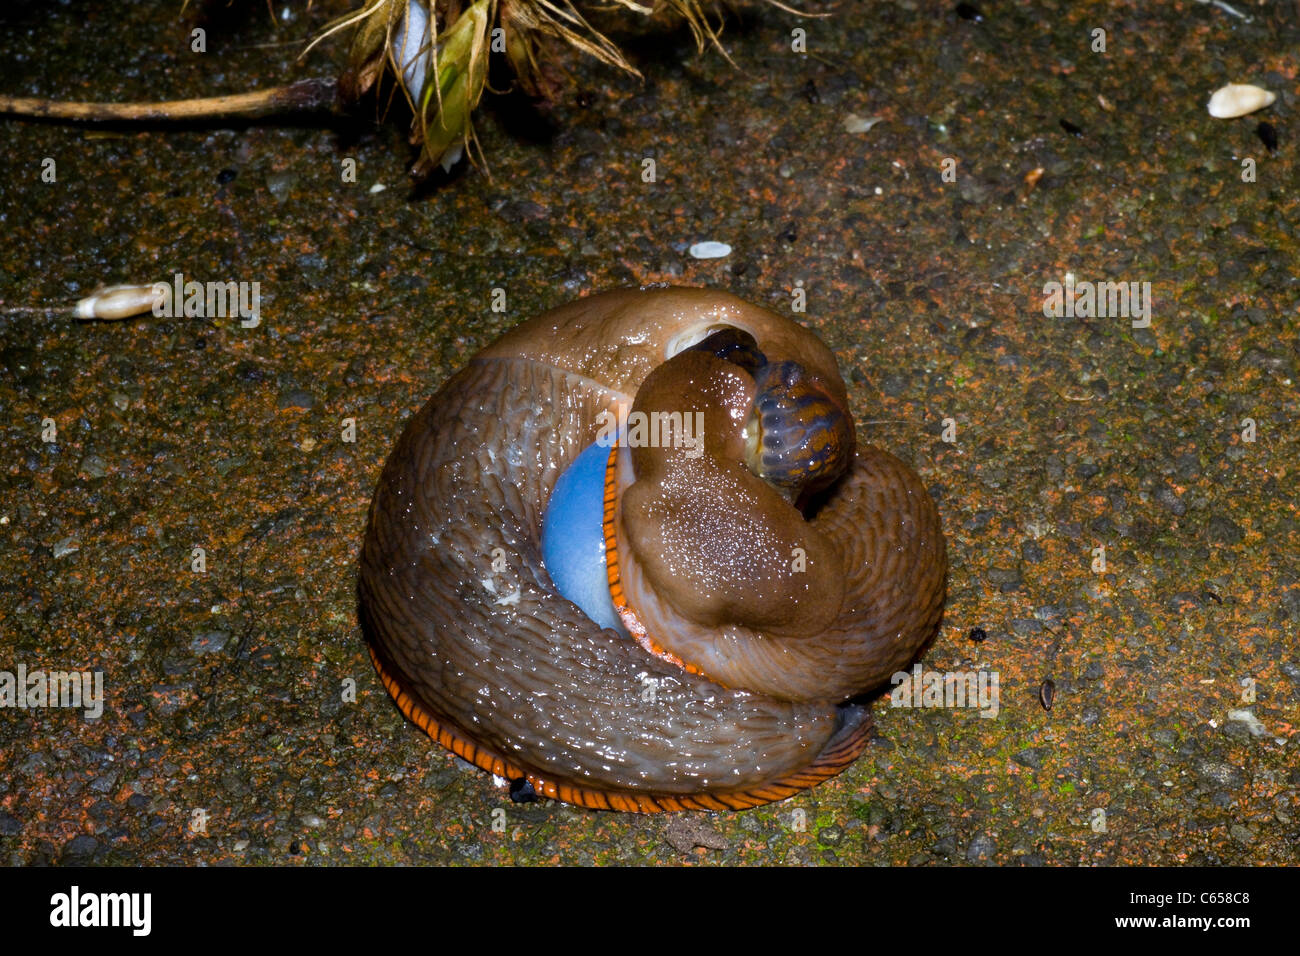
(712, 524)
(799, 436)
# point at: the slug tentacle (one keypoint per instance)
(478, 647)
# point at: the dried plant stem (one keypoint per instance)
(304, 95)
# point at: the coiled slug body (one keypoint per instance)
(762, 593)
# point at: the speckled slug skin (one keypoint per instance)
(500, 668)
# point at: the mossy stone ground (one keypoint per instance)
(1071, 434)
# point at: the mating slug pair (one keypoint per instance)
(645, 625)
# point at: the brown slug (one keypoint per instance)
(758, 573)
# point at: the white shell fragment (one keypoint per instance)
(710, 250)
(853, 123)
(117, 302)
(1238, 99)
(1246, 716)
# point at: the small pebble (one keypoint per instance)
(226, 465)
(710, 250)
(92, 466)
(81, 846)
(1222, 774)
(980, 849)
(280, 184)
(209, 642)
(1031, 757)
(1238, 99)
(1242, 834)
(1170, 501)
(296, 398)
(685, 832)
(1221, 530)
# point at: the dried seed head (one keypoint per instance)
(438, 52)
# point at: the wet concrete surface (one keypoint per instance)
(228, 735)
